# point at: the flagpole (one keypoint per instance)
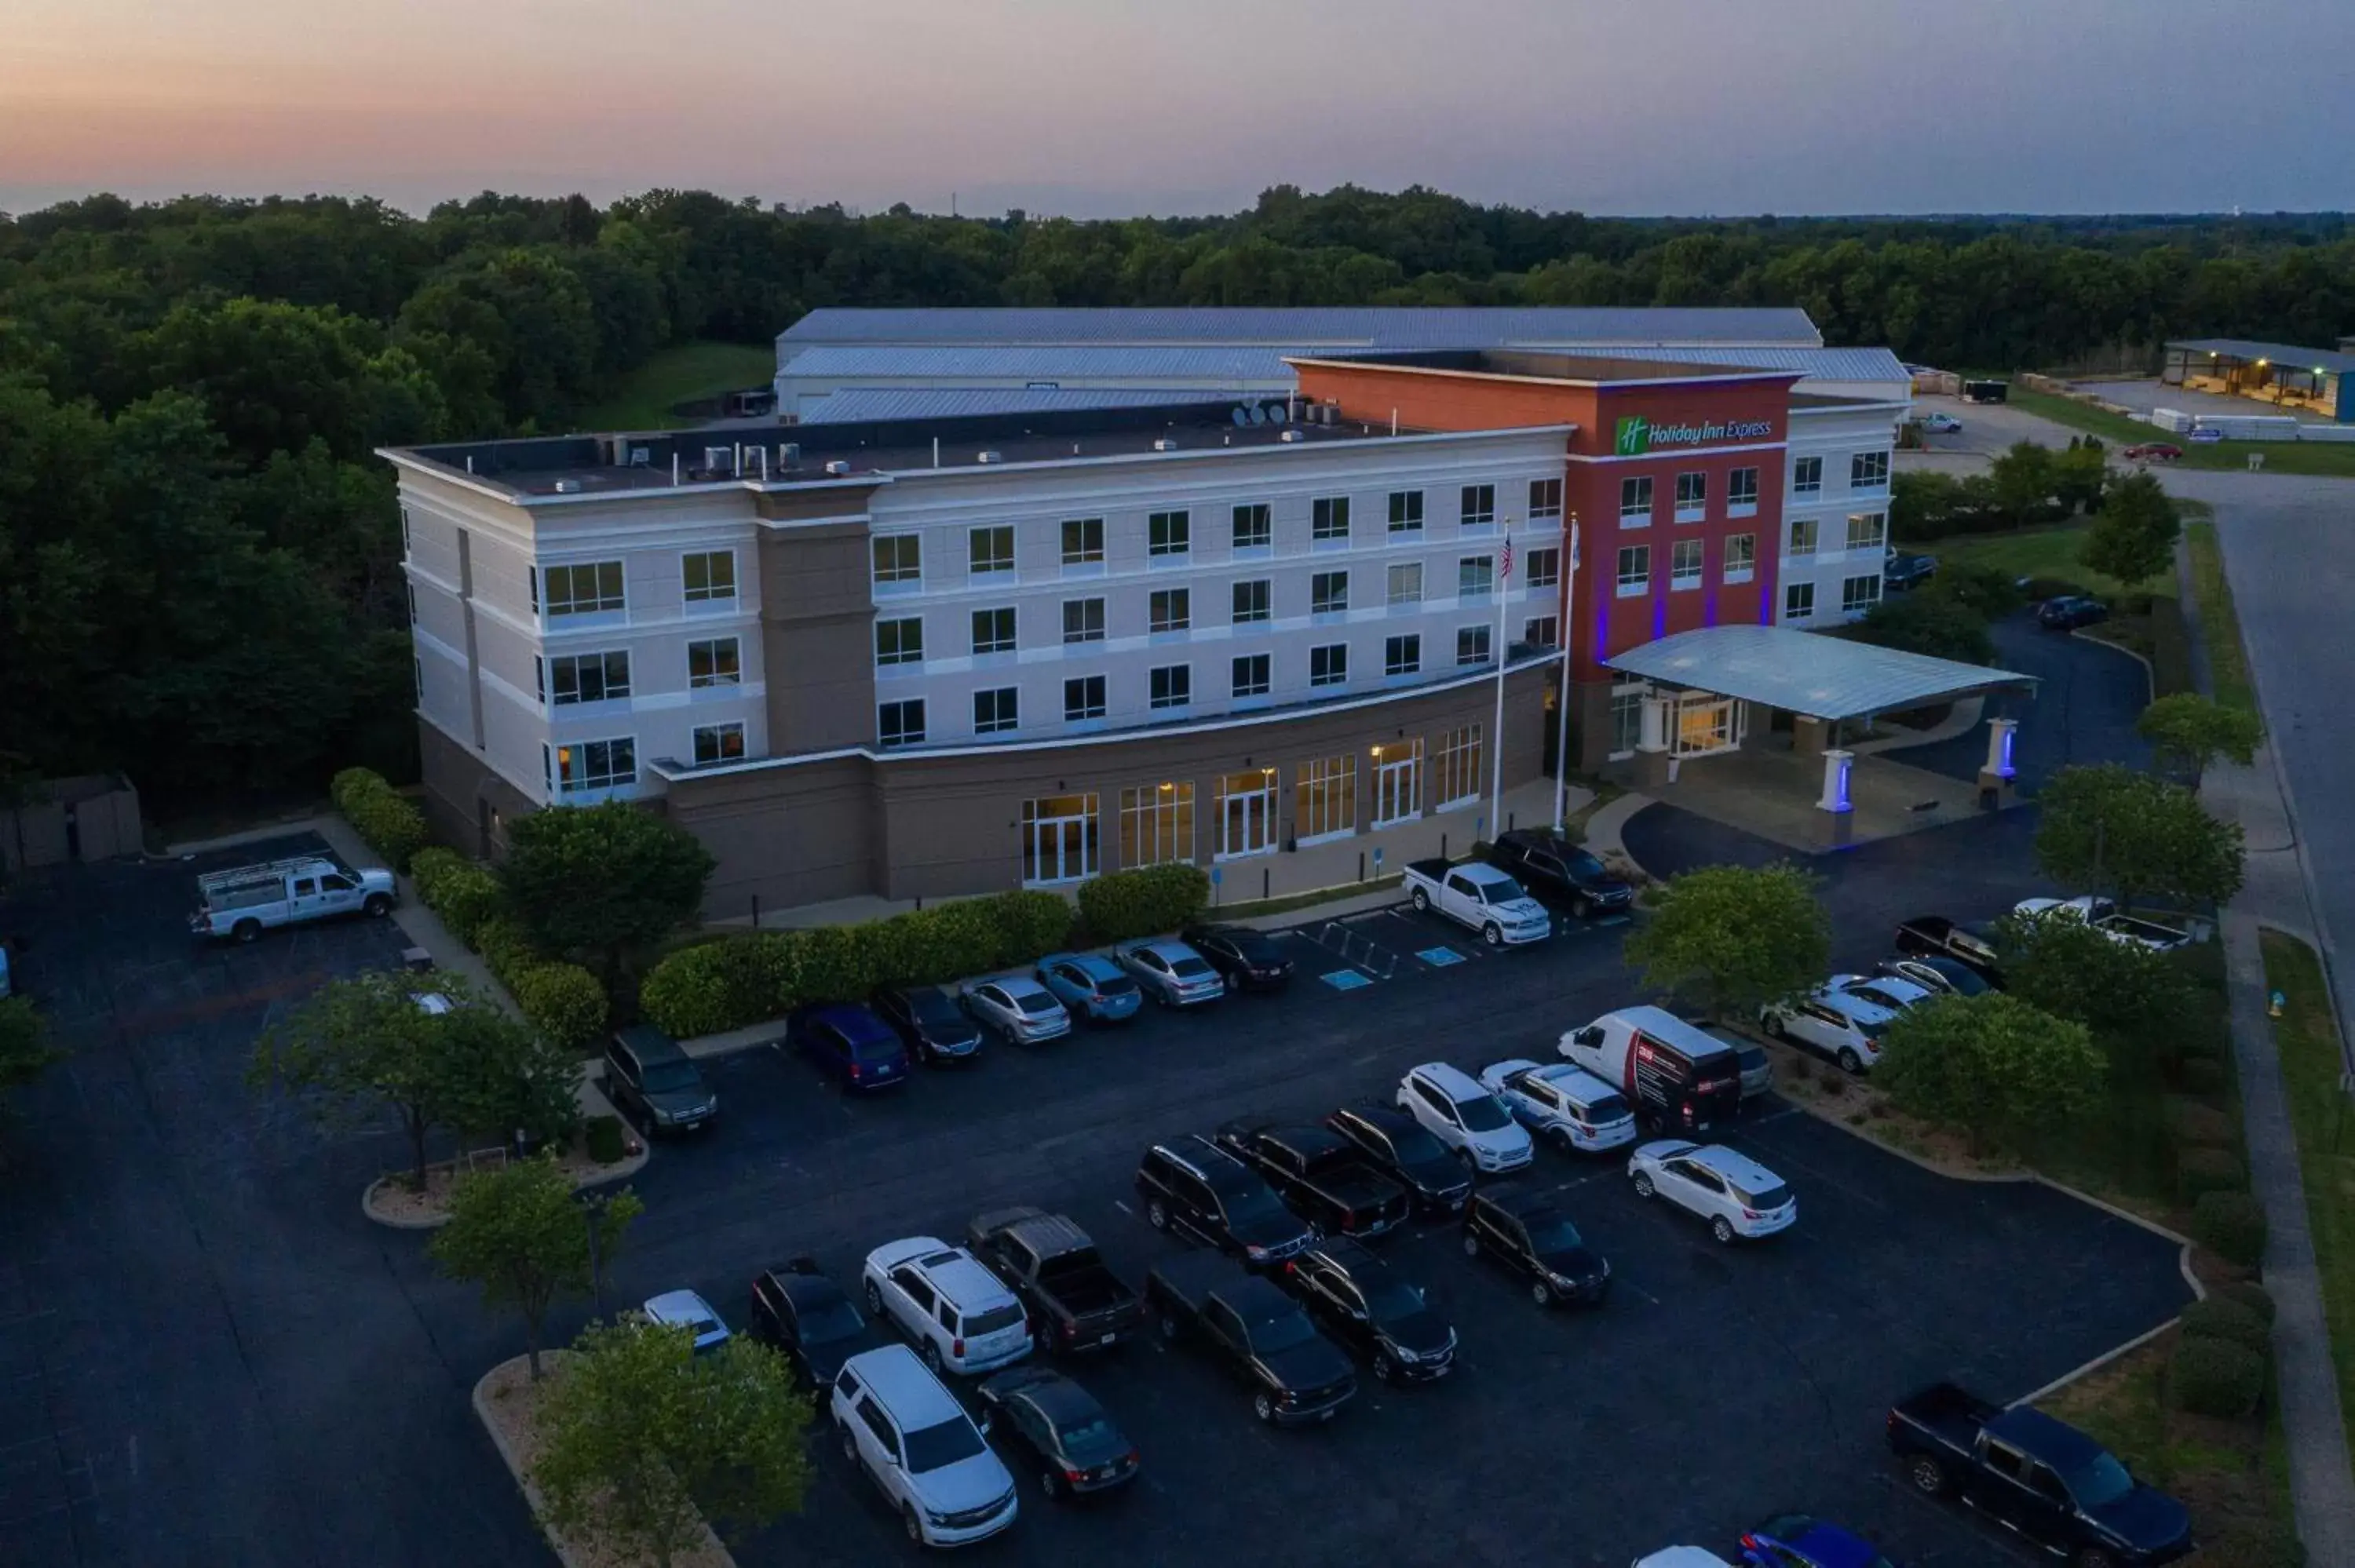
(1562, 692)
(1496, 735)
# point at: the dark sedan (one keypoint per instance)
(930, 1022)
(1363, 1305)
(1246, 960)
(1044, 1418)
(799, 1311)
(1936, 936)
(1904, 572)
(1936, 974)
(2070, 611)
(1403, 1148)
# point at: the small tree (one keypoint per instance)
(2193, 731)
(642, 1440)
(2132, 535)
(603, 880)
(1985, 591)
(2114, 829)
(521, 1235)
(515, 1079)
(1992, 1065)
(2024, 481)
(371, 1042)
(1733, 936)
(2077, 476)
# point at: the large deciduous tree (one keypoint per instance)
(2119, 830)
(1731, 937)
(1993, 1066)
(600, 881)
(521, 1233)
(2138, 1004)
(2132, 537)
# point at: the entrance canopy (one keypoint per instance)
(1807, 673)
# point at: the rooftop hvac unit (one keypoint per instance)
(1292, 434)
(568, 487)
(837, 468)
(641, 457)
(714, 459)
(1164, 444)
(989, 457)
(789, 454)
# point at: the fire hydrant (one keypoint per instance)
(2274, 1004)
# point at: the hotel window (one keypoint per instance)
(1542, 632)
(1684, 564)
(1545, 498)
(1634, 570)
(1254, 527)
(1740, 557)
(588, 678)
(586, 765)
(1860, 593)
(1084, 542)
(1867, 470)
(1472, 645)
(1402, 655)
(900, 724)
(1058, 839)
(1868, 531)
(1169, 609)
(898, 558)
(1803, 536)
(1325, 797)
(1545, 568)
(1406, 511)
(1083, 698)
(1476, 577)
(993, 630)
(584, 590)
(1157, 824)
(1478, 508)
(1251, 601)
(996, 709)
(1405, 583)
(1168, 534)
(1329, 665)
(1328, 517)
(989, 550)
(1455, 766)
(1328, 593)
(1741, 491)
(1251, 675)
(717, 743)
(899, 641)
(1170, 685)
(1635, 502)
(1083, 620)
(1799, 601)
(710, 575)
(1626, 720)
(713, 661)
(1692, 496)
(1808, 476)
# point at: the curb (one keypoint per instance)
(421, 1222)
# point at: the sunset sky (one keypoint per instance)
(1101, 107)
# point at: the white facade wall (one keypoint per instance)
(1834, 437)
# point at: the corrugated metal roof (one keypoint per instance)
(1304, 327)
(1816, 364)
(2279, 355)
(947, 363)
(1807, 672)
(856, 402)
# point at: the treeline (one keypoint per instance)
(198, 557)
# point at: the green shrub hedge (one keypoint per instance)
(2230, 1225)
(2216, 1377)
(563, 1002)
(2201, 1170)
(1123, 905)
(2249, 1294)
(2220, 1317)
(506, 947)
(705, 989)
(390, 822)
(2201, 1125)
(463, 893)
(602, 1137)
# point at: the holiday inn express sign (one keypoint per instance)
(1638, 435)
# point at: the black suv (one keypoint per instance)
(1247, 959)
(1402, 1149)
(1523, 1230)
(797, 1309)
(1357, 1300)
(1558, 872)
(1192, 1186)
(646, 1072)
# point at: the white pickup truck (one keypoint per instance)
(240, 901)
(2103, 916)
(1481, 896)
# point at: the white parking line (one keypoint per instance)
(1124, 1208)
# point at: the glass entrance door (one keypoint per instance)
(1398, 784)
(1058, 839)
(1247, 813)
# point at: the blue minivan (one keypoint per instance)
(850, 1044)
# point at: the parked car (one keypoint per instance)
(1361, 1304)
(239, 902)
(1017, 1008)
(1400, 1148)
(799, 1311)
(1936, 936)
(1320, 1176)
(2070, 611)
(1557, 872)
(1526, 1231)
(920, 1449)
(1935, 972)
(1195, 1187)
(1246, 960)
(2103, 916)
(956, 1312)
(1173, 974)
(1259, 1333)
(1453, 1107)
(648, 1074)
(2153, 451)
(1838, 1021)
(1672, 1074)
(2037, 1476)
(1757, 1069)
(1939, 424)
(1059, 1428)
(1740, 1198)
(1910, 570)
(1565, 1105)
(1798, 1540)
(1075, 1302)
(686, 1310)
(1090, 986)
(929, 1023)
(1481, 896)
(850, 1044)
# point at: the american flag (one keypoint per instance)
(1507, 569)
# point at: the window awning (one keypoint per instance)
(1807, 673)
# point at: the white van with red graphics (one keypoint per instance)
(1677, 1077)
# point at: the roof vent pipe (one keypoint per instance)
(470, 462)
(936, 451)
(739, 469)
(673, 465)
(1394, 421)
(837, 468)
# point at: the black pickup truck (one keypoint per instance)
(1320, 1176)
(1560, 873)
(2037, 1477)
(1295, 1374)
(1076, 1303)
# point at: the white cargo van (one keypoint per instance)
(240, 901)
(1675, 1076)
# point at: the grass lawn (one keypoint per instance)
(2228, 663)
(2307, 1041)
(2037, 552)
(2285, 457)
(642, 399)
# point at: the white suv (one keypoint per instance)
(918, 1446)
(1843, 1019)
(1465, 1117)
(1568, 1107)
(1738, 1196)
(960, 1315)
